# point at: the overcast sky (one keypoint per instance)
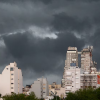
(36, 34)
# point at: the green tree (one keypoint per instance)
(97, 92)
(85, 94)
(56, 98)
(20, 97)
(32, 96)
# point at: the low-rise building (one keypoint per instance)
(58, 92)
(54, 86)
(26, 89)
(40, 88)
(11, 80)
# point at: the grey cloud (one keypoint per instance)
(65, 22)
(21, 16)
(43, 56)
(46, 56)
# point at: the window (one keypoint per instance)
(11, 87)
(12, 83)
(7, 68)
(12, 74)
(11, 78)
(11, 69)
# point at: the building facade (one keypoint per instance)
(11, 80)
(71, 57)
(71, 61)
(72, 79)
(40, 88)
(58, 92)
(88, 80)
(54, 86)
(86, 58)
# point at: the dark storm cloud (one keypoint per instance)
(64, 22)
(47, 56)
(41, 56)
(22, 15)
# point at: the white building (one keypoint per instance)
(72, 79)
(11, 80)
(40, 88)
(71, 60)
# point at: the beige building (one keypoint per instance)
(89, 77)
(11, 80)
(71, 57)
(54, 86)
(86, 58)
(59, 92)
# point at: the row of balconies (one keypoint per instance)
(88, 79)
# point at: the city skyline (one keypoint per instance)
(36, 34)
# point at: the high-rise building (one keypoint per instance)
(89, 79)
(75, 77)
(11, 80)
(71, 57)
(86, 58)
(71, 71)
(40, 88)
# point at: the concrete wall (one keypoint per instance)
(20, 78)
(15, 79)
(5, 81)
(36, 88)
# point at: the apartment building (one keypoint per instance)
(11, 80)
(71, 60)
(87, 75)
(88, 80)
(40, 88)
(72, 79)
